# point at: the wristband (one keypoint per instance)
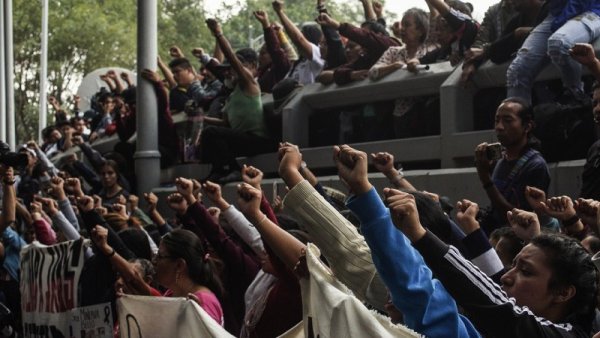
(571, 221)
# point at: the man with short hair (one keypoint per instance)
(188, 85)
(520, 166)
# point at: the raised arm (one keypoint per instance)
(368, 10)
(584, 53)
(338, 239)
(115, 78)
(238, 222)
(108, 81)
(247, 82)
(485, 302)
(166, 71)
(46, 163)
(563, 209)
(279, 59)
(384, 163)
(426, 306)
(43, 231)
(230, 251)
(336, 54)
(152, 201)
(130, 275)
(304, 47)
(218, 52)
(59, 113)
(439, 6)
(125, 77)
(589, 211)
(284, 245)
(9, 199)
(476, 242)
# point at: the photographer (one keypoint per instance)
(519, 164)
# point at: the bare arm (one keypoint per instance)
(439, 6)
(246, 79)
(298, 39)
(384, 163)
(167, 73)
(286, 247)
(368, 9)
(584, 53)
(126, 78)
(115, 78)
(152, 201)
(125, 269)
(218, 53)
(109, 83)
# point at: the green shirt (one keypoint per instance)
(245, 113)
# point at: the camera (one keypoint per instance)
(494, 151)
(10, 158)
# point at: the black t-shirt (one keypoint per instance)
(177, 99)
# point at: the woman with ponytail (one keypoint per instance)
(185, 268)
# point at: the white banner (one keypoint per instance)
(82, 322)
(144, 317)
(331, 310)
(49, 281)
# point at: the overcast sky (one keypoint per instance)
(395, 6)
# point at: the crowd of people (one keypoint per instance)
(521, 267)
(223, 99)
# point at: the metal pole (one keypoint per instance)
(2, 78)
(147, 157)
(10, 76)
(43, 71)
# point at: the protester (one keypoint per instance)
(519, 165)
(566, 24)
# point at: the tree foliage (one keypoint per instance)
(240, 26)
(88, 34)
(82, 36)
